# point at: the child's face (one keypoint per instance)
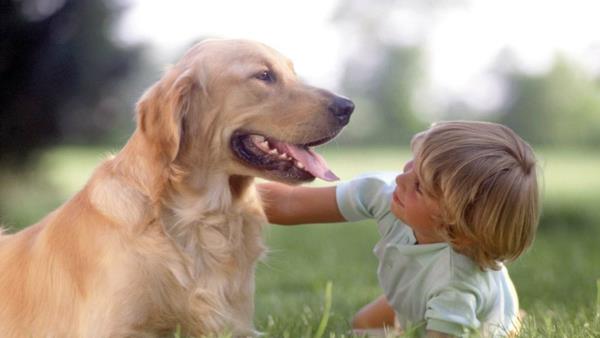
(413, 207)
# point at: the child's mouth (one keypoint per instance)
(397, 199)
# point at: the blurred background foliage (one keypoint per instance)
(61, 75)
(68, 89)
(388, 79)
(65, 79)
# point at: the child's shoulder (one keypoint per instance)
(374, 180)
(376, 177)
(371, 185)
(366, 196)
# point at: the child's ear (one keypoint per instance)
(443, 228)
(436, 214)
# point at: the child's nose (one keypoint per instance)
(408, 166)
(399, 179)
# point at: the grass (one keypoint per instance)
(317, 276)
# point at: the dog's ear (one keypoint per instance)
(162, 110)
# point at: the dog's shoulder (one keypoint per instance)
(116, 199)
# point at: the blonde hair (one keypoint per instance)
(484, 177)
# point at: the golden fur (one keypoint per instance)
(167, 232)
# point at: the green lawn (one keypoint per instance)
(556, 279)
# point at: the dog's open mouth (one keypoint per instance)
(296, 162)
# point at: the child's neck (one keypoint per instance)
(427, 238)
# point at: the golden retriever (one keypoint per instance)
(166, 234)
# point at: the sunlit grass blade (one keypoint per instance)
(597, 299)
(326, 310)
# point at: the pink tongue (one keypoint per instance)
(313, 162)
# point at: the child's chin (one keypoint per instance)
(396, 210)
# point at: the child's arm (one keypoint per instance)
(288, 205)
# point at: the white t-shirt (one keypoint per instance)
(430, 286)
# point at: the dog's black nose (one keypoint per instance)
(341, 108)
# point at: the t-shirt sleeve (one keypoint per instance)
(366, 197)
(453, 311)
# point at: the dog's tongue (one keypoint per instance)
(313, 162)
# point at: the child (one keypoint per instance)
(463, 206)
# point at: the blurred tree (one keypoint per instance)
(385, 74)
(57, 64)
(560, 107)
(389, 114)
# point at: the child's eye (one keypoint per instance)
(417, 187)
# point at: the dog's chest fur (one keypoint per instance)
(191, 262)
(217, 238)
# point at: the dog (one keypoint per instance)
(166, 234)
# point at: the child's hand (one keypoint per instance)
(288, 205)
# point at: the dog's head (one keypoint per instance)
(238, 106)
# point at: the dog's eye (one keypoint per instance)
(266, 76)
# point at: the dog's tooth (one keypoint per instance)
(264, 145)
(273, 151)
(299, 165)
(283, 157)
(257, 138)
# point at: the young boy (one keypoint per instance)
(464, 205)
